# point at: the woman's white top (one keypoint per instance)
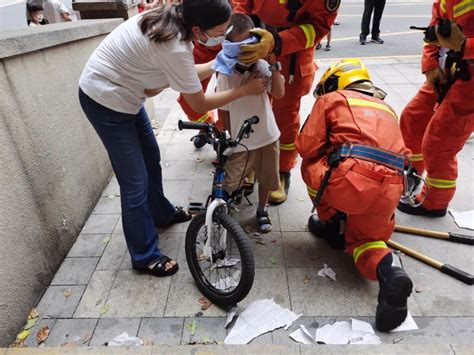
(127, 62)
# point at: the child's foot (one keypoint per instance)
(264, 221)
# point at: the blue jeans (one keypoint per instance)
(135, 157)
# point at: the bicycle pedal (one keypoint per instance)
(195, 207)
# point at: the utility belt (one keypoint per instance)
(455, 68)
(293, 57)
(396, 162)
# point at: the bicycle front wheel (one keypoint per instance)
(228, 278)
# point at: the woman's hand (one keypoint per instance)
(255, 85)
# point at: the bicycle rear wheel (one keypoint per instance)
(229, 277)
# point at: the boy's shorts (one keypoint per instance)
(265, 161)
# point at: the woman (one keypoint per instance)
(142, 56)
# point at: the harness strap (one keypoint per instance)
(377, 155)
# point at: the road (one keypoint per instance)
(396, 20)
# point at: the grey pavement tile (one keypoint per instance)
(395, 79)
(463, 328)
(96, 294)
(462, 349)
(113, 254)
(137, 295)
(442, 295)
(55, 304)
(227, 349)
(161, 331)
(118, 227)
(377, 349)
(178, 169)
(246, 215)
(180, 151)
(270, 254)
(294, 216)
(109, 328)
(76, 332)
(108, 205)
(432, 330)
(169, 244)
(100, 223)
(350, 295)
(303, 249)
(112, 188)
(208, 329)
(262, 339)
(89, 245)
(183, 298)
(31, 340)
(75, 271)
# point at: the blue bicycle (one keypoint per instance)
(218, 251)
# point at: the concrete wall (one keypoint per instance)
(53, 167)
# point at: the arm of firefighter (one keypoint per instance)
(469, 48)
(313, 135)
(242, 6)
(429, 60)
(308, 34)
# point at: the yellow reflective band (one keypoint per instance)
(309, 33)
(364, 247)
(440, 183)
(442, 4)
(311, 191)
(417, 157)
(203, 118)
(282, 2)
(290, 146)
(360, 102)
(463, 7)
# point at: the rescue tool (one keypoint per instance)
(452, 237)
(444, 268)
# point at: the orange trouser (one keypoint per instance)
(368, 194)
(287, 109)
(435, 137)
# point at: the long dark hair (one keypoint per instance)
(170, 20)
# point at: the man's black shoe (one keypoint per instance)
(329, 231)
(395, 288)
(406, 207)
(377, 40)
(318, 46)
(363, 40)
(199, 141)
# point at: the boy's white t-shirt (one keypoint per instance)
(127, 62)
(266, 131)
(53, 9)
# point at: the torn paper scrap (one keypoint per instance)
(337, 333)
(463, 219)
(258, 318)
(230, 315)
(302, 335)
(362, 333)
(408, 324)
(328, 272)
(125, 340)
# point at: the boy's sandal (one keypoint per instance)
(263, 219)
(181, 215)
(159, 269)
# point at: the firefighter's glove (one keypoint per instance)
(250, 53)
(455, 41)
(434, 77)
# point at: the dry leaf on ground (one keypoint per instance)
(33, 314)
(42, 334)
(30, 323)
(23, 335)
(67, 293)
(205, 303)
(192, 327)
(147, 341)
(87, 338)
(104, 309)
(261, 242)
(307, 279)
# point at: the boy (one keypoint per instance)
(263, 149)
(36, 14)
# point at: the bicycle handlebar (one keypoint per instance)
(253, 120)
(192, 125)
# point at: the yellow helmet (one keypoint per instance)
(341, 75)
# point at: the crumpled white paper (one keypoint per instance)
(408, 324)
(328, 272)
(258, 318)
(302, 335)
(125, 339)
(230, 315)
(463, 219)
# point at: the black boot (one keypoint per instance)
(329, 231)
(406, 207)
(395, 288)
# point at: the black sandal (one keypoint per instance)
(181, 216)
(264, 219)
(159, 269)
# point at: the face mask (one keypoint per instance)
(212, 41)
(39, 18)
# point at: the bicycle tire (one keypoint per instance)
(234, 231)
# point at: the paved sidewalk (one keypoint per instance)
(96, 295)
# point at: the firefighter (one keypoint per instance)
(354, 158)
(293, 28)
(436, 131)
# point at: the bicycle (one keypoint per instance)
(218, 251)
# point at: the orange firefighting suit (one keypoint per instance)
(435, 137)
(202, 54)
(366, 192)
(311, 22)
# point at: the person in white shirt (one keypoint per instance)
(55, 12)
(260, 152)
(141, 57)
(36, 14)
